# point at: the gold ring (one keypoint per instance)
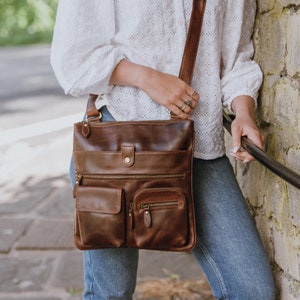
(188, 102)
(194, 93)
(183, 106)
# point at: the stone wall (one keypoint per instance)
(274, 203)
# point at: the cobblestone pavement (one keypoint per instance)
(38, 260)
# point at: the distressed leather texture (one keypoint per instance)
(144, 203)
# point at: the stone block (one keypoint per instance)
(294, 196)
(160, 264)
(286, 102)
(270, 43)
(287, 254)
(289, 2)
(47, 235)
(293, 42)
(255, 176)
(290, 289)
(271, 200)
(23, 275)
(265, 227)
(25, 197)
(265, 5)
(10, 230)
(69, 273)
(266, 101)
(60, 203)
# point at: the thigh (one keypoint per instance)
(110, 274)
(228, 248)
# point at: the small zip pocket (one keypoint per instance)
(160, 218)
(100, 217)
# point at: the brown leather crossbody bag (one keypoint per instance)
(134, 179)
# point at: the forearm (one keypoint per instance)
(127, 73)
(243, 106)
(165, 89)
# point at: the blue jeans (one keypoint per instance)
(228, 249)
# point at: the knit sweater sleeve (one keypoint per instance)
(83, 54)
(240, 75)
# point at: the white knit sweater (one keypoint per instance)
(92, 36)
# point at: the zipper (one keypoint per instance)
(158, 204)
(79, 177)
(147, 209)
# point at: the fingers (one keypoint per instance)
(185, 105)
(236, 140)
(191, 99)
(247, 129)
(239, 153)
(178, 112)
(193, 94)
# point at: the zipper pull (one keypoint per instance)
(147, 215)
(86, 130)
(130, 216)
(78, 178)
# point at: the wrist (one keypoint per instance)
(127, 73)
(143, 76)
(243, 107)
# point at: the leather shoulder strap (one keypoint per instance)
(192, 41)
(188, 58)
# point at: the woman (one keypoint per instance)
(129, 52)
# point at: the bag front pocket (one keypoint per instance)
(160, 218)
(100, 216)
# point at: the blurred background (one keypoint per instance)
(37, 257)
(35, 113)
(26, 21)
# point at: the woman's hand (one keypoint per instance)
(165, 89)
(244, 125)
(171, 92)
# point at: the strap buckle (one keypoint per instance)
(95, 118)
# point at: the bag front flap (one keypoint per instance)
(99, 199)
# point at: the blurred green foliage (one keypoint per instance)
(26, 21)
